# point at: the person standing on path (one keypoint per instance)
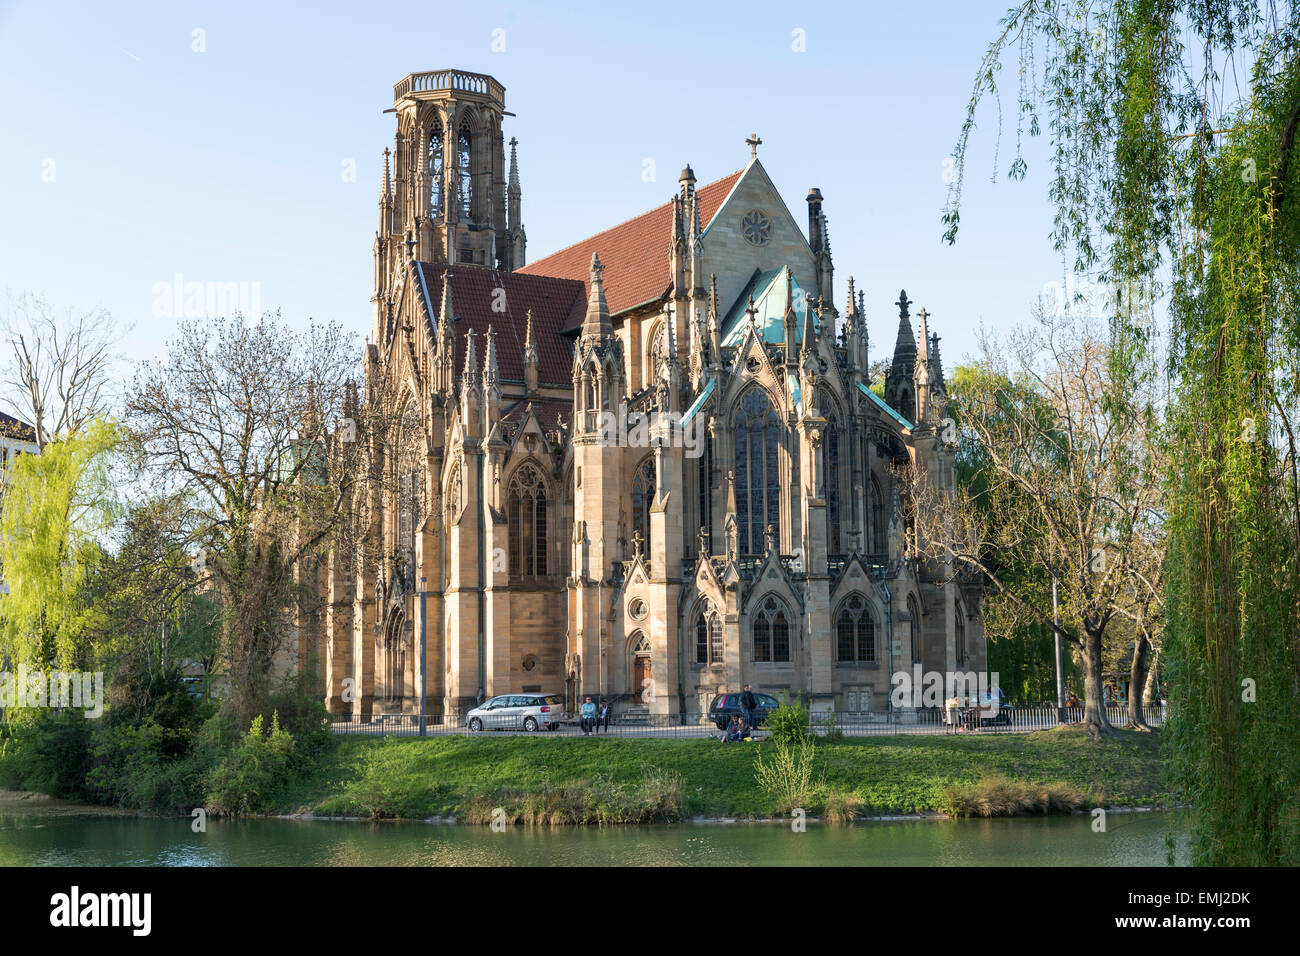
(588, 718)
(748, 702)
(603, 719)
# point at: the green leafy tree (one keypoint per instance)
(58, 506)
(1173, 128)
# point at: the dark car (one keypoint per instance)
(726, 706)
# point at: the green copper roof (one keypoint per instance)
(699, 402)
(768, 289)
(884, 406)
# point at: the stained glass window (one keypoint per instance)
(758, 484)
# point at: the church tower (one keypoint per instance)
(451, 201)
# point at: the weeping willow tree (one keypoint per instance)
(1172, 128)
(57, 508)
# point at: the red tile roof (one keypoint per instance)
(635, 254)
(474, 292)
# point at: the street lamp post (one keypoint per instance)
(424, 629)
(1056, 636)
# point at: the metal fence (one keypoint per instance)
(926, 721)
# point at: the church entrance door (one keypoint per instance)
(642, 680)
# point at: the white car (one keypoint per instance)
(517, 712)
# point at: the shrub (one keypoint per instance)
(788, 724)
(656, 798)
(1000, 797)
(788, 776)
(830, 724)
(255, 771)
(47, 751)
(840, 806)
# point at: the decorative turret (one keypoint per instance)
(854, 359)
(938, 387)
(921, 371)
(530, 357)
(491, 380)
(791, 322)
(385, 200)
(677, 251)
(515, 239)
(899, 387)
(714, 332)
(809, 344)
(820, 243)
(471, 394)
(445, 345)
(597, 323)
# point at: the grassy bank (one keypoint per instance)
(547, 779)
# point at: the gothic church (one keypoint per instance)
(773, 550)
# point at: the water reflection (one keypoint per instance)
(36, 839)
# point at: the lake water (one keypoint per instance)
(57, 835)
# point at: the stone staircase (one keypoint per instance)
(635, 715)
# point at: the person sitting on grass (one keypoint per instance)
(734, 729)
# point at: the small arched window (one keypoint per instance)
(526, 521)
(772, 633)
(855, 632)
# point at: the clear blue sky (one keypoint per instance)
(227, 165)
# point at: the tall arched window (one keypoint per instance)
(708, 636)
(879, 531)
(758, 481)
(704, 485)
(772, 633)
(395, 657)
(526, 520)
(410, 489)
(464, 167)
(855, 632)
(434, 171)
(959, 631)
(914, 627)
(831, 476)
(643, 495)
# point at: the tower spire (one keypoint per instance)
(515, 239)
(597, 323)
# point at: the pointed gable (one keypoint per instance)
(634, 254)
